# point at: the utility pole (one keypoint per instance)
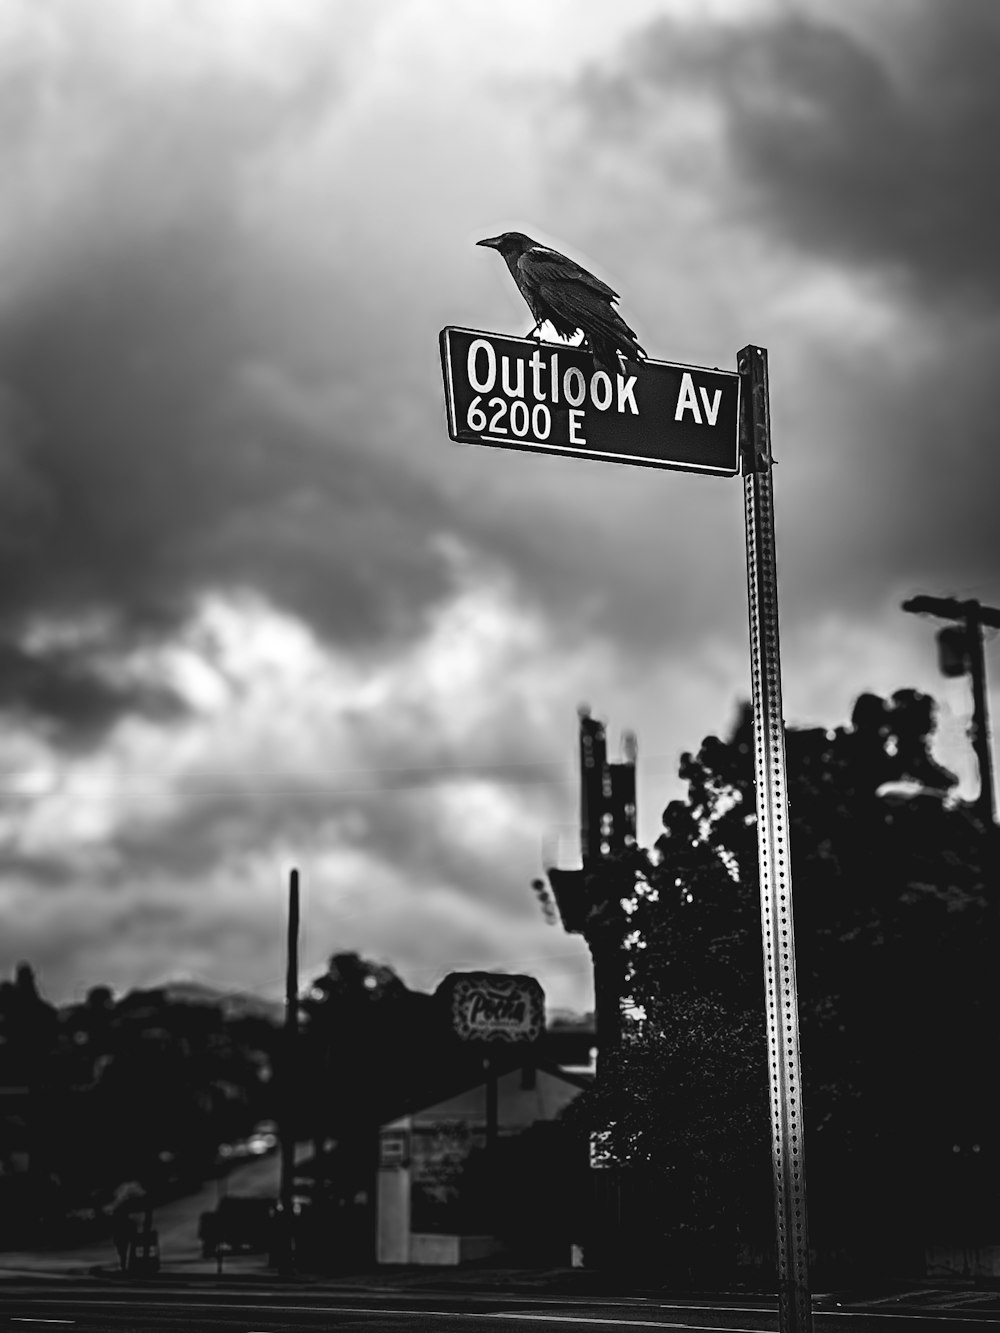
(288, 1127)
(960, 648)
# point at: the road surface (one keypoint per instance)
(273, 1308)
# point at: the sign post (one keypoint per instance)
(518, 394)
(487, 1008)
(773, 852)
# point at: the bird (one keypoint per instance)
(558, 290)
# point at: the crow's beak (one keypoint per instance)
(491, 241)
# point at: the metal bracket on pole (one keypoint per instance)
(773, 852)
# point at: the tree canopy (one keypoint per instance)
(894, 887)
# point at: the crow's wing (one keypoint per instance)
(546, 269)
(583, 307)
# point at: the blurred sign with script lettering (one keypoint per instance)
(494, 1006)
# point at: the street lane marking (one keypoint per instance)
(439, 1314)
(616, 1323)
(903, 1295)
(953, 1319)
(729, 1328)
(931, 1312)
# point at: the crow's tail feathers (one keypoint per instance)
(606, 354)
(606, 351)
(609, 335)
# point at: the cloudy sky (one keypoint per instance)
(257, 611)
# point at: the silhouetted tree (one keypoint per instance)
(28, 1026)
(898, 998)
(371, 1048)
(144, 1087)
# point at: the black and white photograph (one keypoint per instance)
(499, 614)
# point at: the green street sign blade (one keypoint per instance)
(517, 393)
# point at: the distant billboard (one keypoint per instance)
(494, 1006)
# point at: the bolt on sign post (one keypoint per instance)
(517, 393)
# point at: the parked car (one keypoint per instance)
(239, 1223)
(258, 1144)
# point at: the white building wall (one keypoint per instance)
(392, 1239)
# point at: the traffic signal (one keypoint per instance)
(953, 650)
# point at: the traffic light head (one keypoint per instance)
(953, 650)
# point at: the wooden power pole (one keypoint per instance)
(960, 645)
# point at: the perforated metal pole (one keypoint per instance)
(774, 861)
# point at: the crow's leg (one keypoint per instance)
(536, 331)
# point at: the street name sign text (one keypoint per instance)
(517, 393)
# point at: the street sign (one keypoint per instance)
(517, 393)
(494, 1006)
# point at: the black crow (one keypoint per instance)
(560, 291)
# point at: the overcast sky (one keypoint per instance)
(257, 611)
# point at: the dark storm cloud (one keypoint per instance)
(75, 697)
(870, 147)
(42, 872)
(145, 461)
(913, 508)
(845, 151)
